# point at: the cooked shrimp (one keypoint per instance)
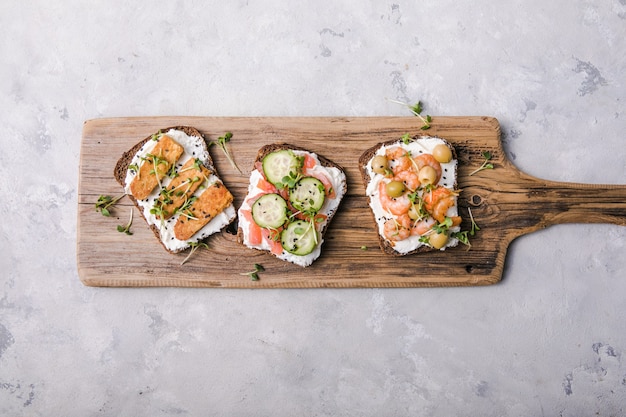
(423, 226)
(409, 178)
(398, 206)
(427, 159)
(438, 201)
(399, 159)
(397, 229)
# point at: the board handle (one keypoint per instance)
(563, 202)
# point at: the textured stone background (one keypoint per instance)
(548, 340)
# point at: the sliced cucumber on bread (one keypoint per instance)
(270, 210)
(308, 195)
(299, 238)
(290, 219)
(280, 164)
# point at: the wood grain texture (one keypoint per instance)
(505, 203)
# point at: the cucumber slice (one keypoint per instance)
(308, 195)
(280, 164)
(299, 238)
(269, 210)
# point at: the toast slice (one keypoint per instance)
(171, 179)
(411, 187)
(292, 197)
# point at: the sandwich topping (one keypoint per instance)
(412, 194)
(176, 192)
(290, 198)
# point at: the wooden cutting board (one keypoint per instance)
(505, 204)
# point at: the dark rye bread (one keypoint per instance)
(267, 149)
(364, 160)
(121, 167)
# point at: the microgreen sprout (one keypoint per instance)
(254, 275)
(462, 237)
(221, 142)
(194, 247)
(443, 226)
(156, 161)
(106, 201)
(416, 109)
(486, 164)
(289, 181)
(406, 138)
(363, 247)
(185, 209)
(126, 229)
(475, 227)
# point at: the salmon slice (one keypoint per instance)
(165, 154)
(182, 187)
(215, 199)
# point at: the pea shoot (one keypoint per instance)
(254, 275)
(194, 247)
(416, 109)
(289, 181)
(463, 236)
(486, 164)
(475, 227)
(106, 201)
(126, 229)
(221, 142)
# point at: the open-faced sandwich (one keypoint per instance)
(411, 187)
(292, 197)
(171, 179)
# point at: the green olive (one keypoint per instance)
(413, 212)
(442, 153)
(395, 189)
(427, 175)
(380, 165)
(438, 240)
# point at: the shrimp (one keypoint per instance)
(438, 201)
(399, 159)
(423, 226)
(397, 229)
(398, 206)
(409, 178)
(427, 159)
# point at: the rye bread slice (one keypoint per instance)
(121, 168)
(325, 162)
(364, 160)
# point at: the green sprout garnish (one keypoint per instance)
(462, 237)
(443, 226)
(106, 201)
(406, 138)
(254, 275)
(185, 209)
(486, 164)
(126, 229)
(289, 181)
(194, 247)
(474, 225)
(221, 142)
(416, 109)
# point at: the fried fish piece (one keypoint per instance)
(209, 204)
(165, 153)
